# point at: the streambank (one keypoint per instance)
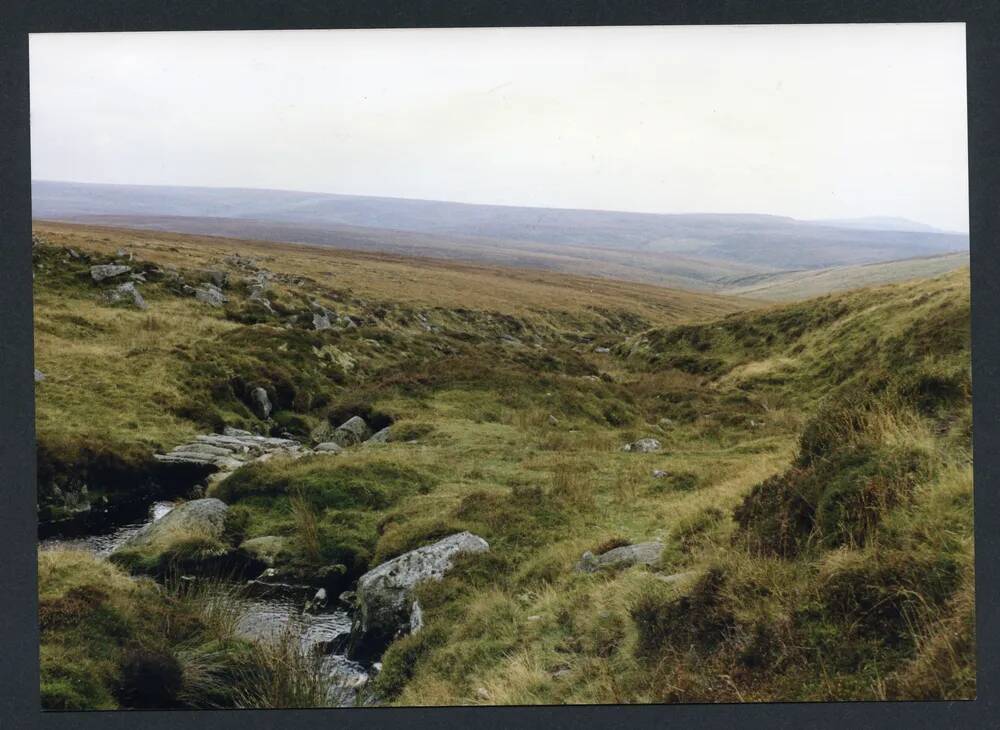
(263, 616)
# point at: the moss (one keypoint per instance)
(375, 485)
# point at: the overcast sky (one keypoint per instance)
(806, 121)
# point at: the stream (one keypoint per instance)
(260, 618)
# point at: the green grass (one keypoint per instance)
(816, 512)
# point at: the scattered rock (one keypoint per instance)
(602, 350)
(380, 437)
(39, 375)
(416, 617)
(321, 321)
(108, 271)
(266, 549)
(351, 432)
(643, 553)
(126, 292)
(322, 433)
(385, 594)
(328, 447)
(482, 693)
(261, 403)
(660, 474)
(317, 602)
(209, 294)
(257, 297)
(643, 446)
(553, 421)
(199, 517)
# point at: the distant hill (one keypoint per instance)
(792, 285)
(880, 223)
(693, 250)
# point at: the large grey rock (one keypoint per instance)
(385, 595)
(127, 293)
(108, 271)
(643, 553)
(643, 446)
(352, 431)
(197, 518)
(261, 403)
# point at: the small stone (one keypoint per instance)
(553, 421)
(643, 446)
(328, 447)
(482, 693)
(602, 350)
(39, 375)
(660, 474)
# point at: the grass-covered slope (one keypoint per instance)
(814, 498)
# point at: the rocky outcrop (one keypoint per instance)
(108, 271)
(643, 446)
(385, 595)
(643, 553)
(230, 450)
(203, 518)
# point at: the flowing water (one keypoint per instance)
(320, 634)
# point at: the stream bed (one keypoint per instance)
(260, 618)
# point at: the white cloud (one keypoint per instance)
(808, 121)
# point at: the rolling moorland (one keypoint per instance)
(792, 519)
(703, 252)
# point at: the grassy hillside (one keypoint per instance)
(813, 492)
(792, 285)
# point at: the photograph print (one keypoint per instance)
(502, 366)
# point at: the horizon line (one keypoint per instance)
(815, 221)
